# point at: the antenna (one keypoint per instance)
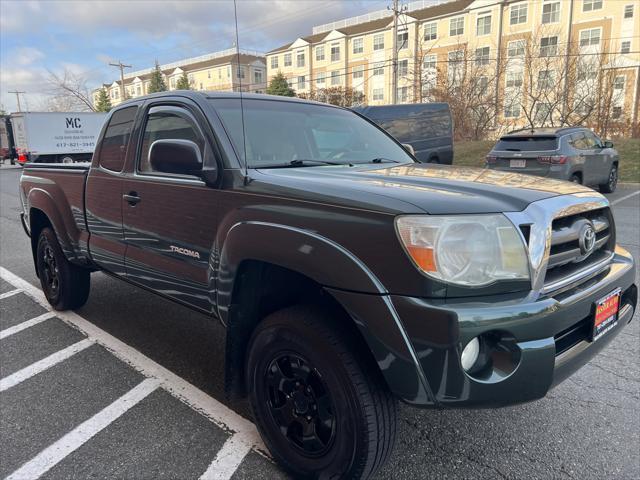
(238, 71)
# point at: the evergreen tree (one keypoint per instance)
(279, 86)
(156, 84)
(103, 102)
(183, 82)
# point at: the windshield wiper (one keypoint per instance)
(302, 163)
(382, 160)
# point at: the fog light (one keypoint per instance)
(470, 354)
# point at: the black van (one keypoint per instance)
(427, 127)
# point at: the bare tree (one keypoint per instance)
(69, 92)
(340, 96)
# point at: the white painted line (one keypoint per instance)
(80, 435)
(7, 332)
(228, 459)
(626, 197)
(44, 364)
(10, 293)
(195, 398)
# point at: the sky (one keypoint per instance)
(37, 37)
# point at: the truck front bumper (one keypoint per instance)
(531, 344)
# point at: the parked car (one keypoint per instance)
(575, 154)
(64, 137)
(427, 127)
(347, 275)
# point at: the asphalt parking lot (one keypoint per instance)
(130, 386)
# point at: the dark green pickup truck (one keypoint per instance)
(348, 275)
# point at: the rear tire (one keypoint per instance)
(612, 182)
(65, 285)
(322, 408)
(575, 178)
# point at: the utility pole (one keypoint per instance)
(394, 58)
(18, 92)
(121, 66)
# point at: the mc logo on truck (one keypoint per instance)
(73, 122)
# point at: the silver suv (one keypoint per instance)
(575, 154)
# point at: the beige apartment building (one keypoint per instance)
(219, 71)
(528, 59)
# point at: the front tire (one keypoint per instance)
(65, 285)
(321, 406)
(612, 182)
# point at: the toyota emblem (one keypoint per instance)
(587, 239)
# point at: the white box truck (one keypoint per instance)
(56, 137)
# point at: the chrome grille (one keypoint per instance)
(566, 258)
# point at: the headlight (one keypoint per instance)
(470, 250)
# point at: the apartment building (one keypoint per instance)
(512, 51)
(220, 71)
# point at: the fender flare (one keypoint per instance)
(339, 272)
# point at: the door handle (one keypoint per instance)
(132, 198)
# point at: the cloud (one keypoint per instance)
(26, 55)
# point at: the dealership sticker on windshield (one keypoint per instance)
(606, 317)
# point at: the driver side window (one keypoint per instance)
(167, 124)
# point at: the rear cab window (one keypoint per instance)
(113, 149)
(527, 144)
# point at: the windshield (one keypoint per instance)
(279, 132)
(527, 144)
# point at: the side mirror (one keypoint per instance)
(409, 149)
(176, 156)
(607, 144)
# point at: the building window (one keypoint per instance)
(456, 26)
(514, 79)
(208, 73)
(590, 37)
(403, 68)
(378, 93)
(545, 79)
(358, 45)
(618, 83)
(548, 46)
(335, 77)
(403, 40)
(139, 89)
(201, 87)
(482, 56)
(335, 52)
(543, 112)
(378, 41)
(240, 72)
(429, 62)
(483, 85)
(551, 12)
(628, 11)
(625, 47)
(229, 71)
(319, 53)
(191, 79)
(320, 78)
(483, 25)
(616, 113)
(430, 31)
(515, 49)
(257, 76)
(403, 94)
(274, 62)
(300, 59)
(518, 14)
(358, 72)
(301, 82)
(590, 5)
(455, 66)
(512, 110)
(172, 82)
(287, 59)
(219, 73)
(378, 69)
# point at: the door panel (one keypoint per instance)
(170, 219)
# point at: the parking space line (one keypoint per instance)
(189, 394)
(10, 293)
(228, 459)
(626, 197)
(7, 332)
(44, 364)
(80, 435)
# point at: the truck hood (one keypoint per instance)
(433, 189)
